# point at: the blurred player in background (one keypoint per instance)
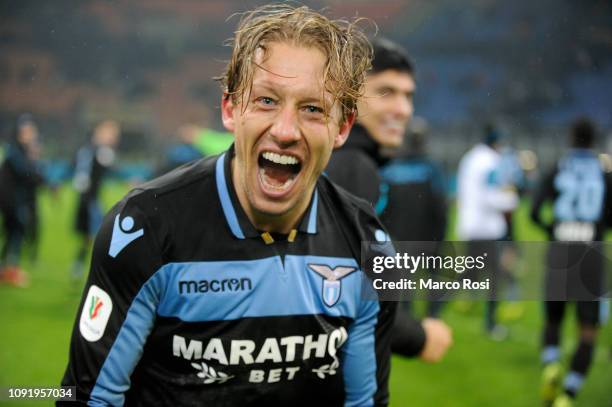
(510, 175)
(93, 162)
(32, 232)
(413, 195)
(184, 150)
(235, 280)
(581, 196)
(19, 179)
(483, 202)
(384, 113)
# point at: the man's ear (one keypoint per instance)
(345, 129)
(227, 112)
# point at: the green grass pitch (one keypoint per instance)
(35, 326)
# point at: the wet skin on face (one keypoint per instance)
(285, 130)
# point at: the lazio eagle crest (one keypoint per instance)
(331, 281)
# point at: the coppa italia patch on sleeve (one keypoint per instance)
(96, 312)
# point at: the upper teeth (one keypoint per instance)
(395, 126)
(279, 158)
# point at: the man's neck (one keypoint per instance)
(281, 224)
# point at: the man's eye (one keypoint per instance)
(266, 101)
(314, 109)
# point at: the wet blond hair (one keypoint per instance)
(347, 51)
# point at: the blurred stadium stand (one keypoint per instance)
(532, 66)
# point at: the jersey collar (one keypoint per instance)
(235, 216)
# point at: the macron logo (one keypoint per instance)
(122, 235)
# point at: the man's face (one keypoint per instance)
(28, 134)
(107, 134)
(283, 135)
(387, 106)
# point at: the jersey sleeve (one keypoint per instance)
(117, 310)
(409, 336)
(367, 354)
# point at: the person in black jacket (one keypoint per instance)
(19, 179)
(384, 113)
(92, 164)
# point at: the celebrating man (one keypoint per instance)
(235, 280)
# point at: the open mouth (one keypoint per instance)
(278, 172)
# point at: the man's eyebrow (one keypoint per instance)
(385, 89)
(266, 85)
